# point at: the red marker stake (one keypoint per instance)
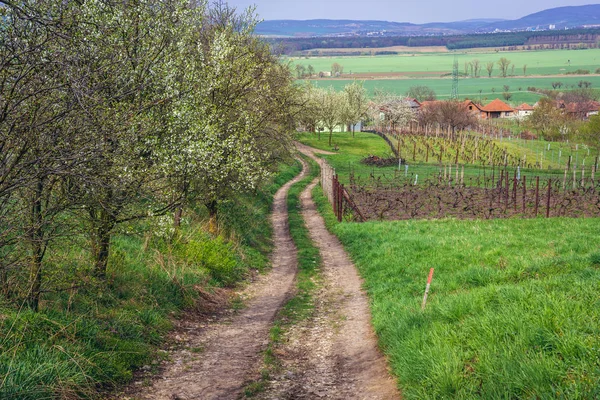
(427, 288)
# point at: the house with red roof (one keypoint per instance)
(581, 110)
(469, 104)
(497, 109)
(523, 110)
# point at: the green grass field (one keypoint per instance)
(546, 62)
(467, 88)
(513, 312)
(426, 69)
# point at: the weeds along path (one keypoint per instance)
(334, 354)
(218, 358)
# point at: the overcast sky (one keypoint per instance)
(415, 11)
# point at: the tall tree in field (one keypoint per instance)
(504, 64)
(37, 147)
(490, 68)
(356, 103)
(309, 109)
(336, 69)
(119, 68)
(421, 93)
(476, 67)
(448, 114)
(546, 119)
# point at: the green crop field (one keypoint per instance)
(546, 62)
(513, 311)
(426, 69)
(467, 88)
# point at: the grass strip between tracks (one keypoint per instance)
(301, 305)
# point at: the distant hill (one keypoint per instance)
(559, 18)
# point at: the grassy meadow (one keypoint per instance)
(513, 311)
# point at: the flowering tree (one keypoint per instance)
(356, 104)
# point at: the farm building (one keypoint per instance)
(581, 110)
(476, 108)
(523, 110)
(498, 109)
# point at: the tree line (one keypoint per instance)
(589, 37)
(114, 111)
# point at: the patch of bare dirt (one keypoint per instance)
(334, 354)
(217, 356)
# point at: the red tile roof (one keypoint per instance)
(525, 107)
(497, 106)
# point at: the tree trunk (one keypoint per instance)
(330, 135)
(36, 239)
(101, 233)
(212, 207)
(101, 251)
(177, 216)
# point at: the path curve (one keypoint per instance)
(335, 354)
(221, 357)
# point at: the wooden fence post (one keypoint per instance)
(334, 190)
(515, 193)
(548, 199)
(537, 194)
(429, 278)
(340, 202)
(524, 192)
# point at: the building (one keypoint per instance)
(580, 110)
(523, 110)
(497, 109)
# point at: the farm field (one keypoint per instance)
(467, 88)
(513, 310)
(543, 62)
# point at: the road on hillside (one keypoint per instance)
(333, 355)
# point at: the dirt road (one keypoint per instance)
(218, 358)
(333, 355)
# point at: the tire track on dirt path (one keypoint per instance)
(334, 355)
(230, 348)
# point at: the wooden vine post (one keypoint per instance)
(429, 278)
(548, 199)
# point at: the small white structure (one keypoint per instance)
(523, 110)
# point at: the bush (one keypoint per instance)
(579, 72)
